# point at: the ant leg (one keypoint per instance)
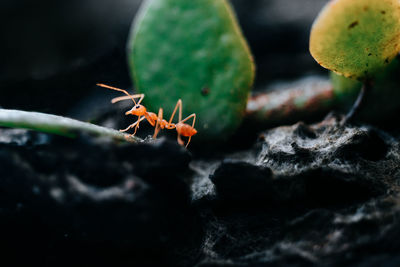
(180, 141)
(188, 117)
(137, 126)
(121, 98)
(180, 110)
(169, 125)
(128, 128)
(141, 98)
(179, 120)
(193, 122)
(188, 141)
(132, 125)
(178, 105)
(159, 119)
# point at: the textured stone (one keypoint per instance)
(323, 194)
(121, 203)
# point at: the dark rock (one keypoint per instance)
(362, 152)
(241, 181)
(319, 195)
(100, 204)
(320, 237)
(202, 189)
(304, 131)
(311, 165)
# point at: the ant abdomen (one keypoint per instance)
(185, 129)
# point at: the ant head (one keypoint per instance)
(137, 110)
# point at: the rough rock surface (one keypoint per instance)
(311, 195)
(89, 203)
(322, 195)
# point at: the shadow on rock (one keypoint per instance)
(74, 202)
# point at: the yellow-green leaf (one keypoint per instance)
(356, 38)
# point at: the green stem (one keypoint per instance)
(355, 109)
(57, 125)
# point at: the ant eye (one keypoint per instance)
(137, 107)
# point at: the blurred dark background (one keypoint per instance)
(54, 52)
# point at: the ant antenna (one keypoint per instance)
(117, 89)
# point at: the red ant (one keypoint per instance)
(156, 121)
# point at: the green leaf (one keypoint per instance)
(356, 38)
(194, 51)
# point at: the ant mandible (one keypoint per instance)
(156, 121)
